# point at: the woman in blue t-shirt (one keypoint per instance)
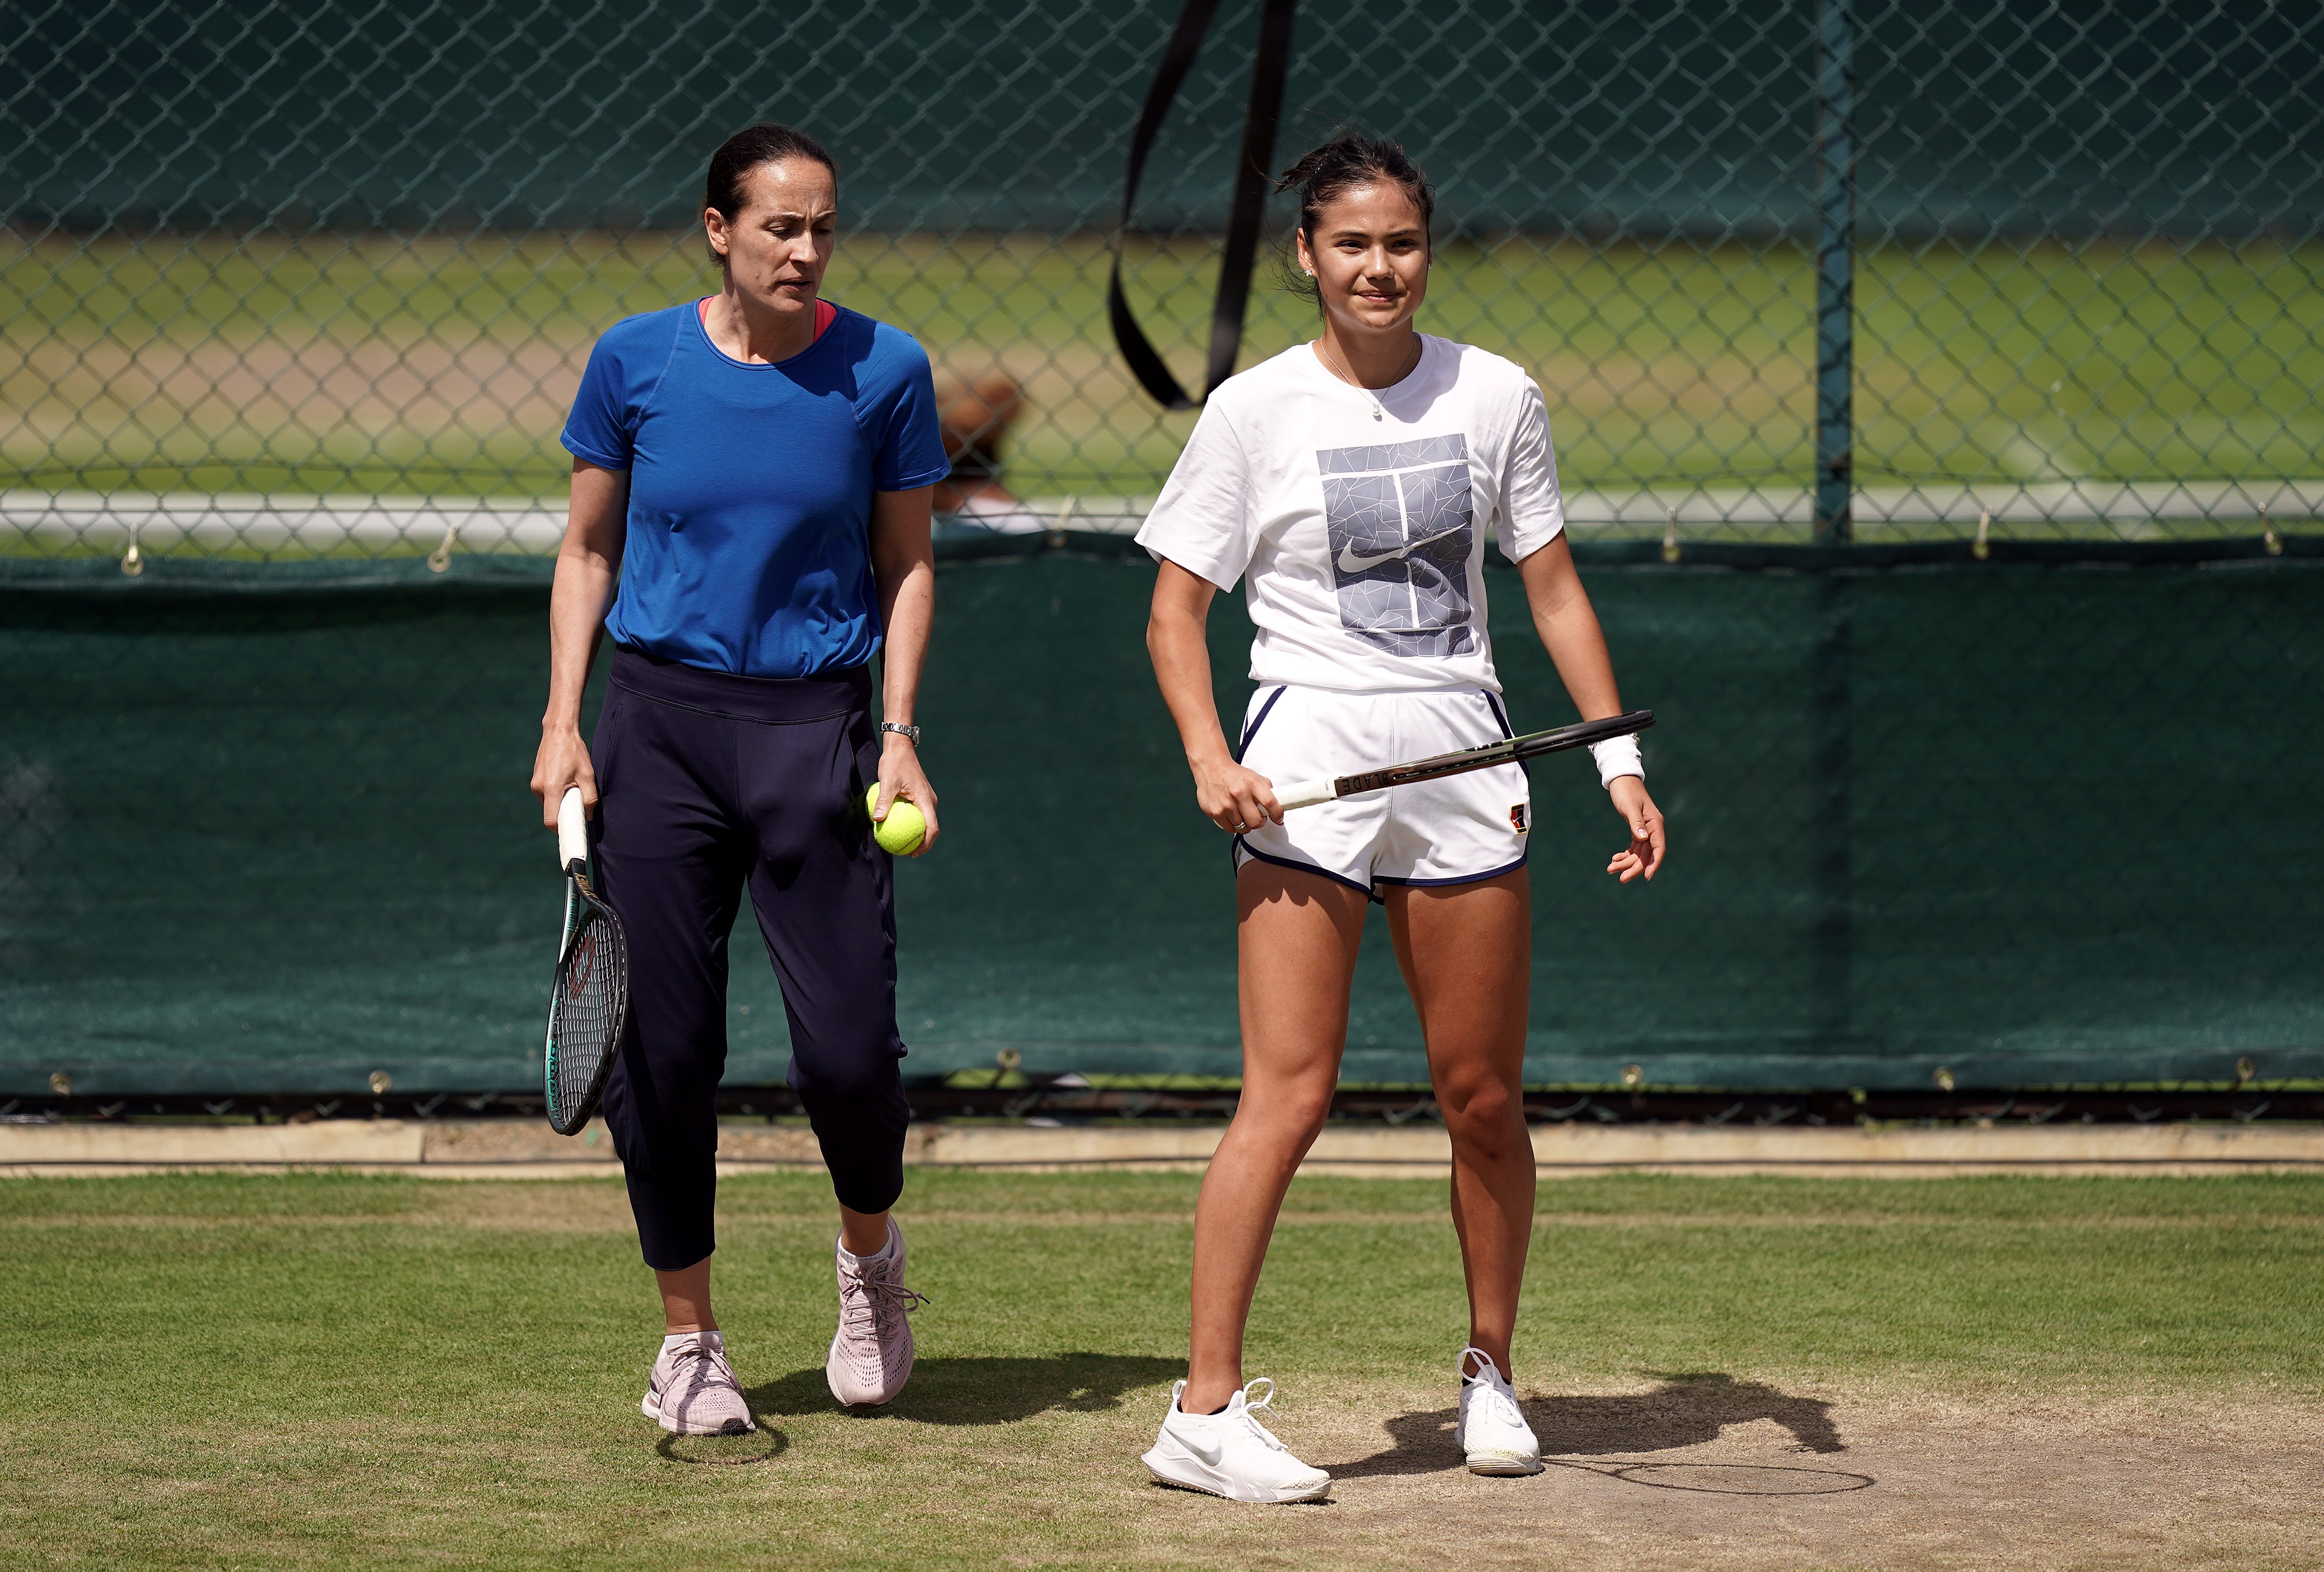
(753, 470)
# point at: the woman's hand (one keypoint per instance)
(1629, 793)
(562, 763)
(1234, 798)
(900, 776)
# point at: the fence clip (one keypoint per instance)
(2267, 533)
(440, 559)
(1065, 511)
(1670, 534)
(133, 561)
(1982, 547)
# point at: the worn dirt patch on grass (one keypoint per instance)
(1711, 1473)
(564, 1207)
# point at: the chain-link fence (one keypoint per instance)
(295, 297)
(349, 259)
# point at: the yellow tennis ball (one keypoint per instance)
(902, 831)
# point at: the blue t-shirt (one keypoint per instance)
(750, 486)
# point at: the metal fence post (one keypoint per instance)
(1832, 697)
(1835, 201)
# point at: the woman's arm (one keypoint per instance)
(904, 566)
(597, 526)
(1569, 630)
(1230, 796)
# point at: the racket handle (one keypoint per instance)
(572, 832)
(1305, 794)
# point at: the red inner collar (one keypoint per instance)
(825, 314)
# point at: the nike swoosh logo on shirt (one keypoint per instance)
(1352, 563)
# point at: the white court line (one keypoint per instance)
(281, 524)
(2134, 509)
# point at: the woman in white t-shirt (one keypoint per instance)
(1352, 483)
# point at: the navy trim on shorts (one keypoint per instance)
(1493, 703)
(1256, 855)
(1464, 878)
(1257, 721)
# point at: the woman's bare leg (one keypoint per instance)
(1466, 953)
(863, 1233)
(1296, 938)
(685, 1299)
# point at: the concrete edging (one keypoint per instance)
(526, 1149)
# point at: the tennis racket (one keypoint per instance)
(592, 998)
(1306, 793)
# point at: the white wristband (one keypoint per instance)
(1618, 757)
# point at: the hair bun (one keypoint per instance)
(1327, 173)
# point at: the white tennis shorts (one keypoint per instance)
(1454, 831)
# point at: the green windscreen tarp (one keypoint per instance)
(267, 830)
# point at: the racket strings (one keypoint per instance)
(585, 1015)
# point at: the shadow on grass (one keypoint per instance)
(762, 1445)
(986, 1391)
(1685, 1411)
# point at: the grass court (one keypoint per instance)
(325, 1370)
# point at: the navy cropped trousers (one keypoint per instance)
(710, 784)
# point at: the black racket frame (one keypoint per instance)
(1509, 751)
(614, 946)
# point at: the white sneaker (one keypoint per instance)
(871, 1354)
(1230, 1453)
(691, 1390)
(1492, 1431)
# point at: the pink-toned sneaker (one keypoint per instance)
(693, 1391)
(871, 1353)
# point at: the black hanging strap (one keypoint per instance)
(1252, 181)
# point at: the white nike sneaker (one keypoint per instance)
(1492, 1431)
(1230, 1453)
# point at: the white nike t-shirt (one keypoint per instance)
(1360, 517)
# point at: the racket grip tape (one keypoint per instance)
(1305, 794)
(572, 830)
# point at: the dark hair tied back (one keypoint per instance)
(1323, 174)
(745, 150)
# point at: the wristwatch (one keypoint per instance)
(910, 733)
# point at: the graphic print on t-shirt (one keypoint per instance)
(1400, 526)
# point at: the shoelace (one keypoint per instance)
(696, 1365)
(1503, 1407)
(1251, 1411)
(869, 1294)
(1502, 1402)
